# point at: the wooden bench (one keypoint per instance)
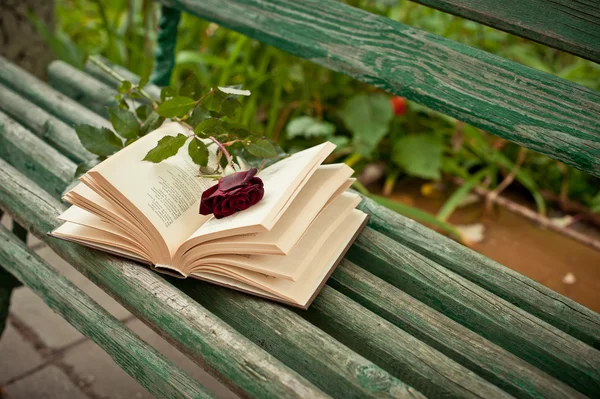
(408, 313)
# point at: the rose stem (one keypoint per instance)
(224, 151)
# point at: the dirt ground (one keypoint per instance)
(519, 244)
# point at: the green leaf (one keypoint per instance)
(167, 93)
(176, 107)
(143, 111)
(214, 100)
(339, 141)
(208, 126)
(419, 155)
(261, 148)
(124, 122)
(87, 165)
(198, 152)
(367, 117)
(198, 115)
(166, 148)
(125, 86)
(143, 81)
(152, 122)
(99, 141)
(308, 127)
(229, 106)
(191, 87)
(457, 196)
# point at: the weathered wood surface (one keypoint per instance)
(206, 339)
(531, 108)
(81, 87)
(50, 100)
(151, 369)
(102, 76)
(225, 312)
(283, 332)
(528, 337)
(341, 373)
(567, 25)
(51, 129)
(16, 144)
(534, 298)
(395, 357)
(488, 360)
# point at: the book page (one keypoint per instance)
(282, 182)
(167, 193)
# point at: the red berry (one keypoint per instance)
(398, 105)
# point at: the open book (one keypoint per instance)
(283, 248)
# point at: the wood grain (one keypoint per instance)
(50, 100)
(531, 108)
(526, 336)
(151, 369)
(355, 376)
(200, 335)
(513, 287)
(567, 25)
(81, 87)
(331, 377)
(51, 129)
(108, 80)
(25, 151)
(488, 360)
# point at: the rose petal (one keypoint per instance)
(237, 179)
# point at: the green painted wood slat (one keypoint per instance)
(568, 25)
(48, 127)
(526, 336)
(531, 108)
(200, 335)
(513, 287)
(389, 356)
(421, 226)
(353, 376)
(392, 356)
(422, 373)
(50, 100)
(151, 369)
(83, 94)
(490, 361)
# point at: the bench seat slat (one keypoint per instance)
(513, 287)
(350, 375)
(280, 330)
(50, 100)
(567, 25)
(200, 335)
(16, 144)
(517, 331)
(51, 129)
(488, 360)
(421, 373)
(531, 108)
(140, 360)
(79, 86)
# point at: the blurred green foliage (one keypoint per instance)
(299, 104)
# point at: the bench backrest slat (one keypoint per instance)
(531, 108)
(567, 25)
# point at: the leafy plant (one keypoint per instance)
(206, 115)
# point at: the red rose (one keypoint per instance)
(233, 193)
